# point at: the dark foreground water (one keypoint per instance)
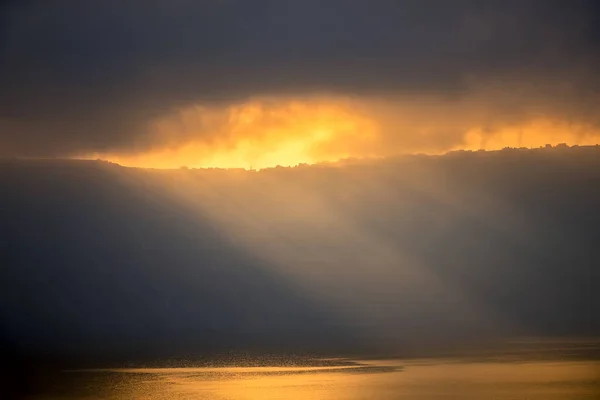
(373, 379)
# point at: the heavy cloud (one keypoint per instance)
(82, 77)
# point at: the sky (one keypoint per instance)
(258, 83)
(402, 253)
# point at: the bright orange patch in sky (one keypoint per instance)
(254, 135)
(263, 133)
(535, 133)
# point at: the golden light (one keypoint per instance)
(533, 134)
(255, 135)
(269, 132)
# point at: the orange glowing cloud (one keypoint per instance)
(535, 133)
(255, 134)
(268, 132)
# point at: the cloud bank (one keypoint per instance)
(151, 80)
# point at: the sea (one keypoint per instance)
(559, 372)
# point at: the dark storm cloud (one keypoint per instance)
(84, 75)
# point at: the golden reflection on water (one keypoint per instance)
(477, 381)
(382, 380)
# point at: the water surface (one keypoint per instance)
(374, 379)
